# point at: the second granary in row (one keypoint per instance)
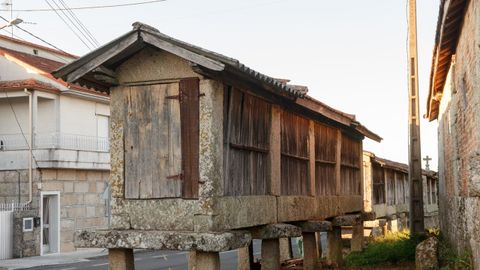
(207, 154)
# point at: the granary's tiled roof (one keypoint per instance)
(97, 69)
(450, 19)
(389, 164)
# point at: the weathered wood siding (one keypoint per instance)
(378, 184)
(294, 154)
(153, 156)
(351, 153)
(400, 187)
(325, 159)
(390, 182)
(247, 139)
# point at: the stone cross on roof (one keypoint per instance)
(427, 164)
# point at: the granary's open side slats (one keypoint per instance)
(351, 152)
(378, 184)
(325, 159)
(247, 144)
(295, 178)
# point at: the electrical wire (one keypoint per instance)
(67, 24)
(80, 23)
(35, 36)
(89, 7)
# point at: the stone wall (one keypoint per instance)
(25, 244)
(81, 202)
(459, 143)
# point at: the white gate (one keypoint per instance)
(6, 228)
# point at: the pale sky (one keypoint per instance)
(351, 54)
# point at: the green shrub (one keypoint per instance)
(393, 248)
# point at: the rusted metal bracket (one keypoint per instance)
(175, 177)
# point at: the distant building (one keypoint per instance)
(386, 192)
(70, 147)
(453, 100)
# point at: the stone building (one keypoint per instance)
(208, 154)
(386, 192)
(453, 99)
(70, 151)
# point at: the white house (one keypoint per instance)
(70, 150)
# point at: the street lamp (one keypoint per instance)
(16, 21)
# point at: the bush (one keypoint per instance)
(393, 248)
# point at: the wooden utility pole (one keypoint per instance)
(417, 225)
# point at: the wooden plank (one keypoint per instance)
(274, 155)
(181, 52)
(101, 58)
(247, 143)
(190, 127)
(311, 153)
(152, 142)
(338, 167)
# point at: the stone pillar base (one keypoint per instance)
(207, 260)
(335, 245)
(310, 257)
(270, 254)
(357, 237)
(121, 259)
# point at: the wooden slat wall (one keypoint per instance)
(247, 138)
(390, 182)
(153, 155)
(399, 187)
(350, 182)
(325, 159)
(295, 155)
(378, 184)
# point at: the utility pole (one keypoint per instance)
(417, 225)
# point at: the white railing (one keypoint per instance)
(55, 141)
(14, 206)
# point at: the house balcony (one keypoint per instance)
(55, 150)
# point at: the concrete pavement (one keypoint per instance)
(80, 255)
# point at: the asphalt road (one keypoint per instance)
(160, 260)
(151, 260)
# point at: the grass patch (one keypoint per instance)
(393, 248)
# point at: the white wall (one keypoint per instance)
(79, 116)
(8, 125)
(28, 49)
(46, 118)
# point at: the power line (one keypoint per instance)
(88, 7)
(66, 23)
(74, 16)
(75, 24)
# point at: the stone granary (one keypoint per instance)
(207, 154)
(386, 193)
(453, 98)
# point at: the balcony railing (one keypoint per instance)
(54, 141)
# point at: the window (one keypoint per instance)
(28, 224)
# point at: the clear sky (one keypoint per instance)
(351, 54)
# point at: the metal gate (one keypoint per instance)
(6, 228)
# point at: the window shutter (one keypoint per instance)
(189, 115)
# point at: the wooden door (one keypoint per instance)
(152, 130)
